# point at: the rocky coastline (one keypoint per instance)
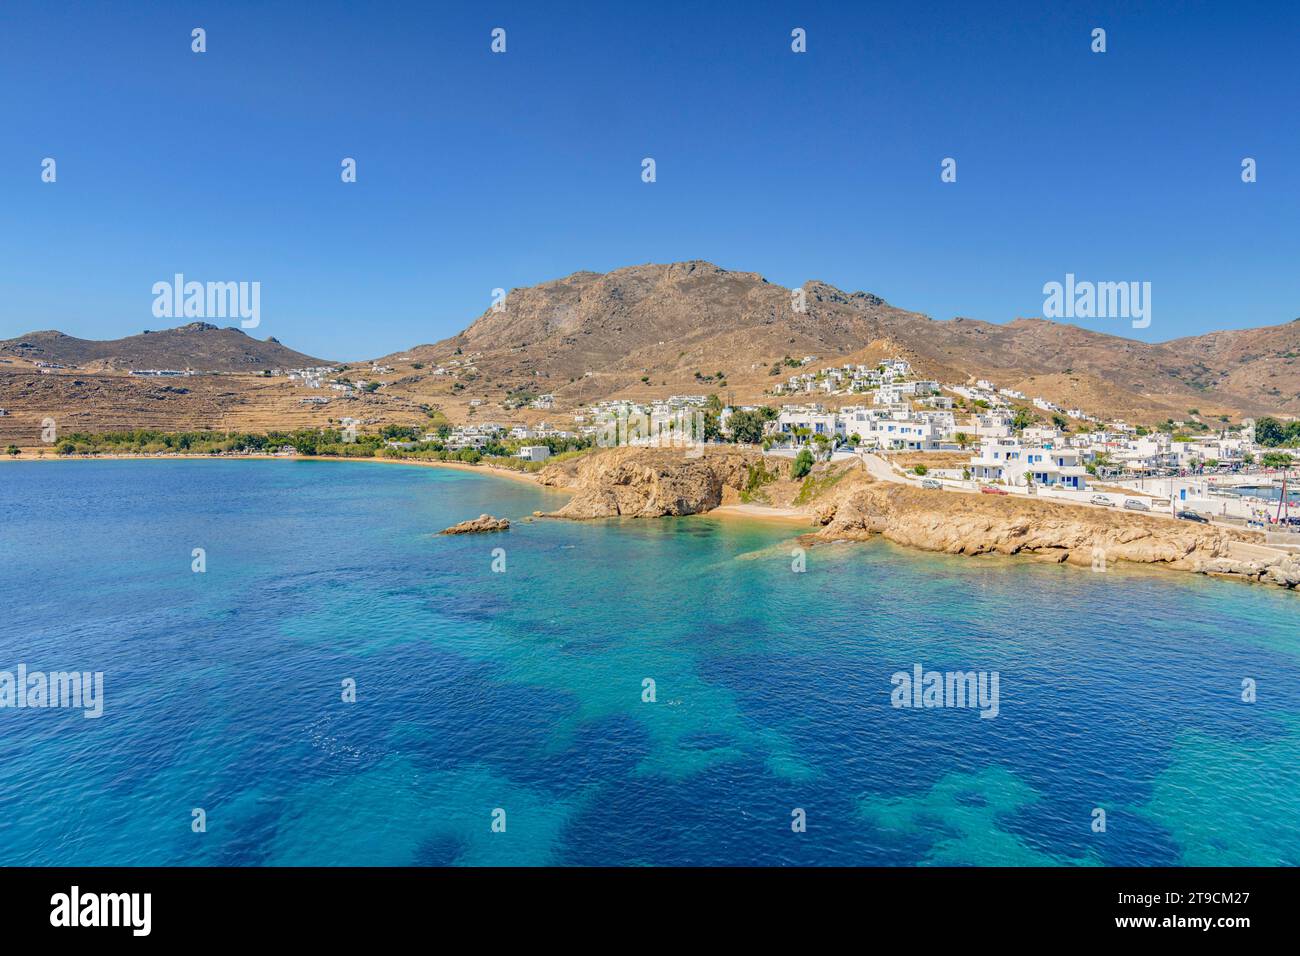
(851, 505)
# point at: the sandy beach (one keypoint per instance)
(529, 477)
(762, 513)
(525, 476)
(748, 512)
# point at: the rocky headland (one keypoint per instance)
(649, 482)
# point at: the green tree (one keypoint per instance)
(712, 411)
(1272, 433)
(803, 463)
(747, 427)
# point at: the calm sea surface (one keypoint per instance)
(522, 690)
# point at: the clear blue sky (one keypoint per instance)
(479, 170)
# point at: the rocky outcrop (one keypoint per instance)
(477, 525)
(1283, 570)
(649, 482)
(972, 524)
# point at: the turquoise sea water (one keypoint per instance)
(1268, 492)
(522, 690)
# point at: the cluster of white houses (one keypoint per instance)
(913, 415)
(453, 368)
(847, 379)
(315, 377)
(478, 435)
(1039, 455)
(652, 418)
(895, 426)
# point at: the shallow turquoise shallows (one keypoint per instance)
(520, 696)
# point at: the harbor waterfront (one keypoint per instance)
(668, 691)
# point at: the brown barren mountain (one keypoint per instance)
(644, 332)
(97, 393)
(652, 330)
(199, 346)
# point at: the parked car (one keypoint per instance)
(990, 490)
(931, 483)
(1136, 504)
(1102, 500)
(1188, 515)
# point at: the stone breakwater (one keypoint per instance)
(648, 482)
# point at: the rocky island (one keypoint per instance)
(478, 525)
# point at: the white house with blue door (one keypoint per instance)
(1006, 460)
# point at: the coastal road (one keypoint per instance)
(880, 469)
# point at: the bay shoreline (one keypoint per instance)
(730, 512)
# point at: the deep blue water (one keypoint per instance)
(522, 690)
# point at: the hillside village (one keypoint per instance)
(1004, 425)
(913, 415)
(833, 411)
(976, 436)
